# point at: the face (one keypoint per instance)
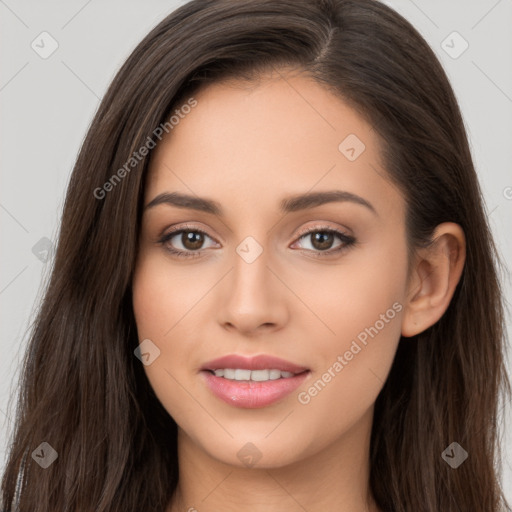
(311, 288)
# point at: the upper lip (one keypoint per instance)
(261, 362)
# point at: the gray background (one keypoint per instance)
(48, 103)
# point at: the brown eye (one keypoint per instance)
(322, 241)
(185, 242)
(192, 240)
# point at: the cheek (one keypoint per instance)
(361, 298)
(160, 301)
(363, 312)
(158, 306)
(163, 295)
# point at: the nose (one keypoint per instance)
(253, 299)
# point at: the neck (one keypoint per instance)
(336, 478)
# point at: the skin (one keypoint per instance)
(247, 147)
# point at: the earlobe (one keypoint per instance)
(434, 277)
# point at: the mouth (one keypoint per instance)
(243, 375)
(252, 382)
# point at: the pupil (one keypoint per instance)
(192, 239)
(322, 240)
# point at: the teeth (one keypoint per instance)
(229, 374)
(274, 374)
(262, 375)
(242, 374)
(255, 375)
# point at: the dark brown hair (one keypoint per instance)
(85, 393)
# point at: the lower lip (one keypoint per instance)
(252, 394)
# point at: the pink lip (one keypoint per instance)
(252, 394)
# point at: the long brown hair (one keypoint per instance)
(85, 393)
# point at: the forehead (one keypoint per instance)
(278, 136)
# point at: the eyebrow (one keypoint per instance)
(287, 205)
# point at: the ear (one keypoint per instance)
(433, 278)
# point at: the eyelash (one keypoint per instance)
(347, 240)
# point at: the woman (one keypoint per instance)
(275, 287)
